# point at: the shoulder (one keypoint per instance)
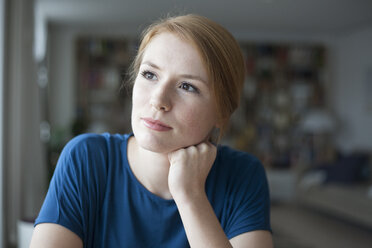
(236, 155)
(91, 143)
(238, 168)
(233, 159)
(91, 152)
(88, 159)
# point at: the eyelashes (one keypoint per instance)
(188, 87)
(184, 85)
(148, 75)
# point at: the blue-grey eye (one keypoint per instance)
(188, 87)
(148, 75)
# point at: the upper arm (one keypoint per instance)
(47, 235)
(256, 239)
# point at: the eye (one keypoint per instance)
(188, 87)
(149, 75)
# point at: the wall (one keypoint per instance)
(351, 63)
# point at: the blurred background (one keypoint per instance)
(306, 109)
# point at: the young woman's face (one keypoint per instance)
(173, 104)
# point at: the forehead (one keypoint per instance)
(168, 49)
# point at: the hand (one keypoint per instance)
(189, 168)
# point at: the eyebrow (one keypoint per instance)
(189, 76)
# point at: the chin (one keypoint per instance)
(150, 142)
(154, 143)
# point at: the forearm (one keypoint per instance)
(201, 224)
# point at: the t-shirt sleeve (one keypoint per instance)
(249, 199)
(72, 194)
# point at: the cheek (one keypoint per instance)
(198, 119)
(138, 96)
(187, 117)
(136, 106)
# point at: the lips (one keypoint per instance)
(155, 125)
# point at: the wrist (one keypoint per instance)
(186, 198)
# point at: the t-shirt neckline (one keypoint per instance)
(142, 188)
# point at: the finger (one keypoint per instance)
(206, 145)
(202, 146)
(191, 149)
(207, 148)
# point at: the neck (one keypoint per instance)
(150, 168)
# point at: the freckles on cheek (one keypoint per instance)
(192, 118)
(187, 118)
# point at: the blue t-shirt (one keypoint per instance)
(95, 194)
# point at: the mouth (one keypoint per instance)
(155, 125)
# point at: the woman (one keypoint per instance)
(165, 185)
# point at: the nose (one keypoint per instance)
(161, 99)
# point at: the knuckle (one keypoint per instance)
(192, 149)
(203, 147)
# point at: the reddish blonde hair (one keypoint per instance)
(219, 52)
